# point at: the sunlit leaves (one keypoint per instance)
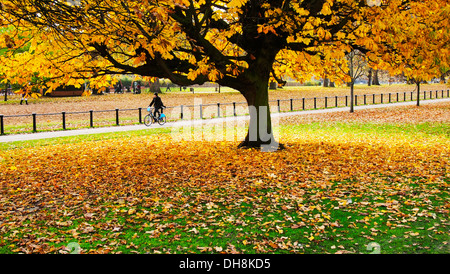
(236, 3)
(201, 40)
(412, 40)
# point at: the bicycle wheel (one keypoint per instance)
(162, 120)
(148, 120)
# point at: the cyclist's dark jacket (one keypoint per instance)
(157, 102)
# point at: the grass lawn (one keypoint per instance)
(344, 184)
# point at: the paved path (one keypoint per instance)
(55, 134)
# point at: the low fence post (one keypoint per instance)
(381, 97)
(278, 105)
(373, 98)
(91, 118)
(218, 109)
(326, 101)
(181, 113)
(234, 108)
(315, 102)
(365, 101)
(117, 116)
(389, 97)
(292, 104)
(201, 111)
(356, 100)
(346, 100)
(63, 120)
(411, 95)
(336, 101)
(34, 122)
(140, 115)
(303, 103)
(2, 128)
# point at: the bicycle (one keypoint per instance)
(149, 118)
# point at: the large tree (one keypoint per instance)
(243, 44)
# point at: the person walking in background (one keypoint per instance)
(24, 98)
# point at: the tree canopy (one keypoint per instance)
(242, 44)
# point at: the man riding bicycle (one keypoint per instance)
(158, 106)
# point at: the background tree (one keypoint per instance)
(242, 44)
(357, 67)
(373, 78)
(9, 47)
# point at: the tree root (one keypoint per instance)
(263, 146)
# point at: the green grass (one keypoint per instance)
(379, 129)
(439, 130)
(353, 234)
(5, 146)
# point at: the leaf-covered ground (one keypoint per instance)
(338, 187)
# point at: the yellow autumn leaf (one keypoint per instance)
(326, 9)
(236, 3)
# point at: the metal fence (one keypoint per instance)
(205, 111)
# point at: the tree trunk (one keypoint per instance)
(369, 83)
(7, 87)
(326, 82)
(260, 134)
(375, 80)
(443, 75)
(352, 84)
(273, 85)
(155, 87)
(418, 92)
